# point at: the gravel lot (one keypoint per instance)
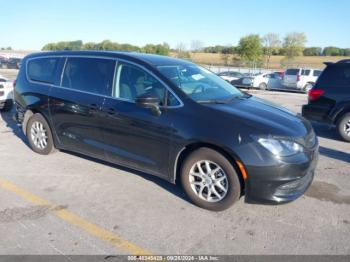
(68, 204)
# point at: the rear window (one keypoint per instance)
(335, 76)
(93, 75)
(293, 72)
(317, 73)
(306, 72)
(42, 69)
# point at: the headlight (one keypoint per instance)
(280, 147)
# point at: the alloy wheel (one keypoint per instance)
(39, 135)
(208, 181)
(347, 128)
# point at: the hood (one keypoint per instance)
(264, 117)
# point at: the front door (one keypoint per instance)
(135, 137)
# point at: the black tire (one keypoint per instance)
(263, 86)
(8, 106)
(343, 124)
(49, 148)
(307, 87)
(233, 187)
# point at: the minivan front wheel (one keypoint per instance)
(39, 135)
(343, 127)
(210, 180)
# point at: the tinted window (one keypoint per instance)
(306, 72)
(335, 76)
(94, 75)
(132, 82)
(317, 73)
(43, 69)
(292, 72)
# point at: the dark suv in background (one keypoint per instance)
(329, 99)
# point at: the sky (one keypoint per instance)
(30, 24)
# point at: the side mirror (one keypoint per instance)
(151, 102)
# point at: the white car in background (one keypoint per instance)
(300, 78)
(263, 81)
(6, 94)
(231, 76)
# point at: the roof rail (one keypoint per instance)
(344, 61)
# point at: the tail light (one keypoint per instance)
(14, 84)
(298, 78)
(282, 74)
(315, 94)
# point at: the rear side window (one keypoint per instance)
(306, 72)
(42, 69)
(93, 75)
(292, 72)
(317, 73)
(335, 76)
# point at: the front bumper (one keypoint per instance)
(286, 181)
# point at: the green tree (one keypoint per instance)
(163, 49)
(90, 46)
(293, 46)
(49, 47)
(312, 51)
(250, 49)
(272, 44)
(331, 51)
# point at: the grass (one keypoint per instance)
(275, 62)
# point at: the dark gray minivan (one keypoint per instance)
(166, 117)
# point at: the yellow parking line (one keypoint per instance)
(73, 219)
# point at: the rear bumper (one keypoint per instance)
(282, 183)
(316, 113)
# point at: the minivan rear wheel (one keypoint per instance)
(210, 180)
(343, 127)
(39, 135)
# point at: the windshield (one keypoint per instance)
(199, 83)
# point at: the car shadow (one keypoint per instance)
(174, 189)
(8, 118)
(335, 154)
(326, 131)
(330, 132)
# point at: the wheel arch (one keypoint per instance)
(28, 114)
(341, 112)
(188, 149)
